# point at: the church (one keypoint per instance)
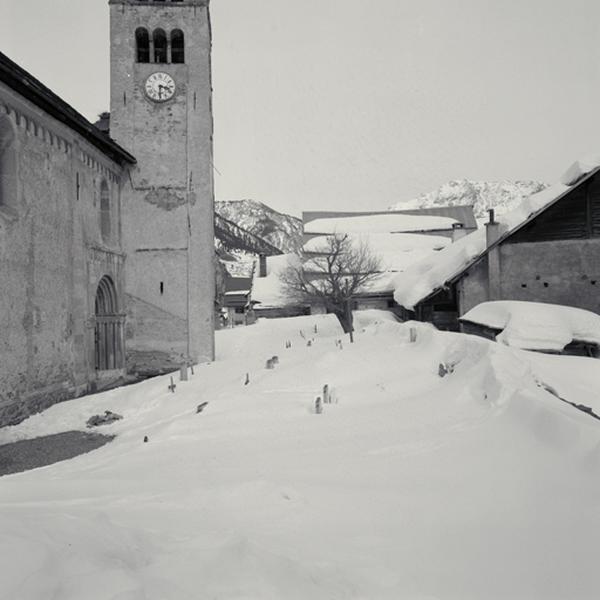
(106, 230)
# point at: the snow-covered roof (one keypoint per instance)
(378, 223)
(237, 293)
(397, 251)
(435, 271)
(535, 325)
(268, 291)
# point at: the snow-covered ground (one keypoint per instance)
(480, 484)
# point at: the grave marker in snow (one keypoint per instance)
(413, 335)
(172, 386)
(247, 379)
(318, 405)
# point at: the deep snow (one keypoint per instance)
(480, 484)
(536, 325)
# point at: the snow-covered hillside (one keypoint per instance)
(481, 484)
(483, 195)
(281, 230)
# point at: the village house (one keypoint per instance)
(398, 238)
(106, 233)
(269, 299)
(237, 301)
(546, 251)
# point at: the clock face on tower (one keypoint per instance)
(160, 87)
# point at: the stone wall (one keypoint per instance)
(559, 272)
(52, 256)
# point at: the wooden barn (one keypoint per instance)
(546, 250)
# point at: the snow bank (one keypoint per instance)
(535, 325)
(478, 484)
(387, 223)
(432, 272)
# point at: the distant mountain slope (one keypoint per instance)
(281, 230)
(483, 195)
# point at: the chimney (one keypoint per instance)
(103, 123)
(458, 231)
(492, 229)
(262, 265)
(492, 234)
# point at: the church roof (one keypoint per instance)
(25, 84)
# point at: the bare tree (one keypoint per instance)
(332, 276)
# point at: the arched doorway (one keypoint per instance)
(109, 327)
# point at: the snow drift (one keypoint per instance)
(535, 325)
(478, 484)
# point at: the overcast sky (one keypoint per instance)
(356, 104)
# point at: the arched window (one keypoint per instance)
(177, 46)
(160, 46)
(8, 163)
(105, 211)
(108, 334)
(142, 44)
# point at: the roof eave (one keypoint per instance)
(36, 92)
(454, 278)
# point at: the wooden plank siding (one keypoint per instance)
(594, 205)
(440, 309)
(576, 216)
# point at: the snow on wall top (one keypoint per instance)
(386, 223)
(432, 272)
(536, 326)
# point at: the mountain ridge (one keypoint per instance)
(279, 229)
(502, 195)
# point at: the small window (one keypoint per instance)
(177, 47)
(160, 46)
(142, 41)
(105, 224)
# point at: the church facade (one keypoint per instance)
(106, 239)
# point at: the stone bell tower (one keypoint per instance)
(161, 112)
